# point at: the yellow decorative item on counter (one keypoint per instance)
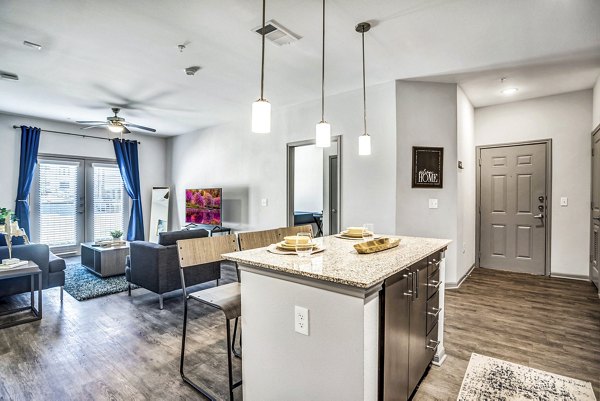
(377, 245)
(296, 240)
(354, 231)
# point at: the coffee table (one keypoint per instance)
(104, 261)
(31, 269)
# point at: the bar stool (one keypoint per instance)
(227, 298)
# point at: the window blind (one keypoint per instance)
(108, 201)
(58, 202)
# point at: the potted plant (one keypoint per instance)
(116, 235)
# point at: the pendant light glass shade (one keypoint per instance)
(364, 145)
(261, 117)
(323, 131)
(261, 109)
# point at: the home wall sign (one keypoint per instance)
(427, 167)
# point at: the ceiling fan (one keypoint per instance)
(115, 124)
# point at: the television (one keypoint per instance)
(203, 206)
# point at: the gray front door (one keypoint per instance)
(513, 208)
(594, 245)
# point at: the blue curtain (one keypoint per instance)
(127, 159)
(30, 141)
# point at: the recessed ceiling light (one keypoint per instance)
(509, 91)
(32, 45)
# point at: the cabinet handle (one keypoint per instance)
(434, 348)
(436, 284)
(437, 263)
(409, 293)
(436, 313)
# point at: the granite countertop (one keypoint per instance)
(341, 264)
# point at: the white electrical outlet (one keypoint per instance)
(264, 202)
(301, 320)
(433, 203)
(564, 201)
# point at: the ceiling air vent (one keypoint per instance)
(277, 33)
(8, 75)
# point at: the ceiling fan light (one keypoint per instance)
(261, 117)
(364, 145)
(115, 128)
(323, 135)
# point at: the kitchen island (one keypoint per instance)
(371, 323)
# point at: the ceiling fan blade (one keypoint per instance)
(140, 127)
(125, 130)
(90, 122)
(95, 126)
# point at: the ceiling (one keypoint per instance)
(98, 54)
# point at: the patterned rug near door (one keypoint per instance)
(494, 379)
(82, 284)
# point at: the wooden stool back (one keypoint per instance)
(258, 239)
(287, 231)
(199, 251)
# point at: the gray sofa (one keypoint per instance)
(155, 267)
(52, 267)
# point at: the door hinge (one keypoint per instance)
(479, 161)
(592, 151)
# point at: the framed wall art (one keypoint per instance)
(427, 167)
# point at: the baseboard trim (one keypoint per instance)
(455, 286)
(581, 277)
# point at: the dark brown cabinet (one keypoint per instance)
(409, 308)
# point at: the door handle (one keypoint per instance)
(436, 284)
(436, 313)
(333, 210)
(538, 216)
(434, 348)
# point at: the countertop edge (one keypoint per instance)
(333, 280)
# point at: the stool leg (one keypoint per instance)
(183, 376)
(185, 312)
(61, 294)
(229, 366)
(237, 354)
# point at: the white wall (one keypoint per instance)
(466, 190)
(426, 115)
(250, 167)
(596, 104)
(308, 179)
(152, 153)
(566, 120)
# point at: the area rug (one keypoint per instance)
(494, 379)
(82, 284)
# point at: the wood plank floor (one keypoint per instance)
(550, 324)
(121, 348)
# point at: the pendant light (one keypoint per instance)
(261, 109)
(323, 129)
(364, 141)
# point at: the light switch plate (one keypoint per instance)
(264, 202)
(433, 203)
(301, 320)
(564, 201)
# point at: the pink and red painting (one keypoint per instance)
(203, 206)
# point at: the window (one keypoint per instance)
(108, 201)
(76, 200)
(58, 202)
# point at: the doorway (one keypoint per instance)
(314, 185)
(76, 200)
(595, 215)
(513, 204)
